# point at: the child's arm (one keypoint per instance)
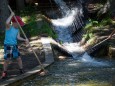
(9, 20)
(21, 39)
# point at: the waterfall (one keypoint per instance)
(71, 21)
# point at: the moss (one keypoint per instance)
(46, 29)
(31, 28)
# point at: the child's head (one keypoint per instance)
(14, 22)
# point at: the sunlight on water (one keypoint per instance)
(66, 21)
(74, 48)
(63, 34)
(72, 18)
(87, 58)
(70, 22)
(83, 70)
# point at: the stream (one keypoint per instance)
(82, 70)
(76, 73)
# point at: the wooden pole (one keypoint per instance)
(27, 38)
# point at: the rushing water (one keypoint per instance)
(72, 19)
(82, 70)
(63, 26)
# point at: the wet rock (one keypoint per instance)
(111, 52)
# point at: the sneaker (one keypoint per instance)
(4, 75)
(21, 71)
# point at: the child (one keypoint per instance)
(10, 43)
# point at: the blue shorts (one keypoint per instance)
(11, 52)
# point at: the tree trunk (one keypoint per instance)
(4, 13)
(20, 4)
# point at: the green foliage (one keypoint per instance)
(29, 19)
(106, 21)
(31, 27)
(46, 29)
(90, 25)
(88, 35)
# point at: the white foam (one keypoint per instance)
(89, 59)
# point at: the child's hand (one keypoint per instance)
(27, 41)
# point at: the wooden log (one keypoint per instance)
(60, 48)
